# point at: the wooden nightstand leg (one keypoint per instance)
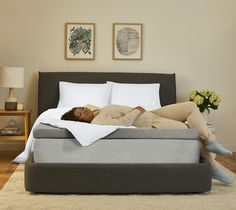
(29, 123)
(26, 126)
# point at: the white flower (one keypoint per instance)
(214, 96)
(198, 100)
(205, 99)
(204, 93)
(209, 92)
(192, 94)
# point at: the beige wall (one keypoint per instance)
(196, 39)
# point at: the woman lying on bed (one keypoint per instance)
(171, 116)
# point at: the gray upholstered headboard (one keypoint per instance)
(48, 85)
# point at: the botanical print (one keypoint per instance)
(80, 41)
(127, 41)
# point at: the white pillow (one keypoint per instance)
(145, 95)
(80, 94)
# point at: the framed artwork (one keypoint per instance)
(80, 41)
(127, 41)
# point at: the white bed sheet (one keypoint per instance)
(85, 133)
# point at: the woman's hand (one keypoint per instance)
(141, 109)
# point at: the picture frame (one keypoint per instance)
(79, 41)
(127, 41)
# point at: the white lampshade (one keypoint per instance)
(12, 77)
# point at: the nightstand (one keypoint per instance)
(26, 115)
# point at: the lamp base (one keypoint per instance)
(10, 105)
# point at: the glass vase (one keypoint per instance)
(206, 116)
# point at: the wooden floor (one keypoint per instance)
(7, 168)
(228, 162)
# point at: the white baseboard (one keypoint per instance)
(11, 146)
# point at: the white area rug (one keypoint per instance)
(13, 196)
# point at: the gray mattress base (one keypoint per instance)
(126, 145)
(116, 178)
(117, 151)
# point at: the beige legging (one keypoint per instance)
(175, 116)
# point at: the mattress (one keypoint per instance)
(138, 146)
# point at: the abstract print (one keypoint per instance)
(127, 41)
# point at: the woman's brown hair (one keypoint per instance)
(70, 115)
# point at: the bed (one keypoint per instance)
(105, 172)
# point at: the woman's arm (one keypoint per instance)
(126, 120)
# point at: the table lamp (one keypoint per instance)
(11, 77)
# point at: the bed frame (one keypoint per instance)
(112, 178)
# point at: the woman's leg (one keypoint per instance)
(187, 111)
(176, 115)
(160, 122)
(216, 172)
(209, 157)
